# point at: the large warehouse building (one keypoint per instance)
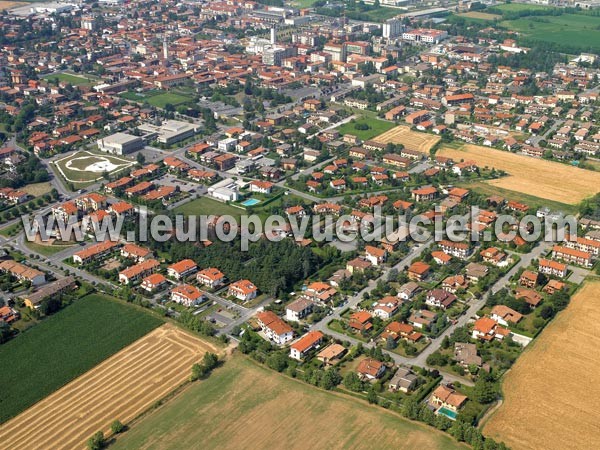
(120, 144)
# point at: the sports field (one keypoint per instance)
(245, 405)
(85, 166)
(75, 80)
(122, 387)
(412, 140)
(553, 390)
(533, 176)
(64, 346)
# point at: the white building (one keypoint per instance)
(226, 190)
(120, 144)
(392, 28)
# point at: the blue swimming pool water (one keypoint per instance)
(250, 202)
(448, 413)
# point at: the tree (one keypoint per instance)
(198, 372)
(331, 378)
(353, 382)
(141, 159)
(4, 332)
(437, 359)
(371, 395)
(277, 361)
(117, 427)
(485, 391)
(96, 442)
(210, 361)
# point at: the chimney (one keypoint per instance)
(273, 36)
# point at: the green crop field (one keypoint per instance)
(570, 29)
(376, 127)
(64, 346)
(243, 402)
(516, 7)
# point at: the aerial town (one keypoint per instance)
(337, 114)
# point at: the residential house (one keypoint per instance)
(529, 279)
(22, 272)
(182, 269)
(137, 271)
(387, 307)
(243, 290)
(274, 328)
(370, 369)
(418, 271)
(331, 354)
(34, 300)
(153, 283)
(457, 249)
(408, 290)
(361, 321)
(465, 354)
(571, 255)
(211, 277)
(422, 318)
(487, 329)
(440, 298)
(298, 309)
(187, 295)
(505, 315)
(135, 252)
(374, 255)
(96, 251)
(552, 268)
(446, 397)
(308, 342)
(404, 380)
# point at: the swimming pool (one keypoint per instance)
(448, 413)
(251, 202)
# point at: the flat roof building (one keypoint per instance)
(120, 144)
(170, 132)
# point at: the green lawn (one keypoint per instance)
(208, 206)
(64, 346)
(73, 167)
(571, 29)
(11, 229)
(245, 405)
(376, 127)
(75, 80)
(46, 250)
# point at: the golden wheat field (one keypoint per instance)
(121, 387)
(412, 140)
(245, 405)
(553, 391)
(533, 176)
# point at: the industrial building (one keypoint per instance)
(120, 144)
